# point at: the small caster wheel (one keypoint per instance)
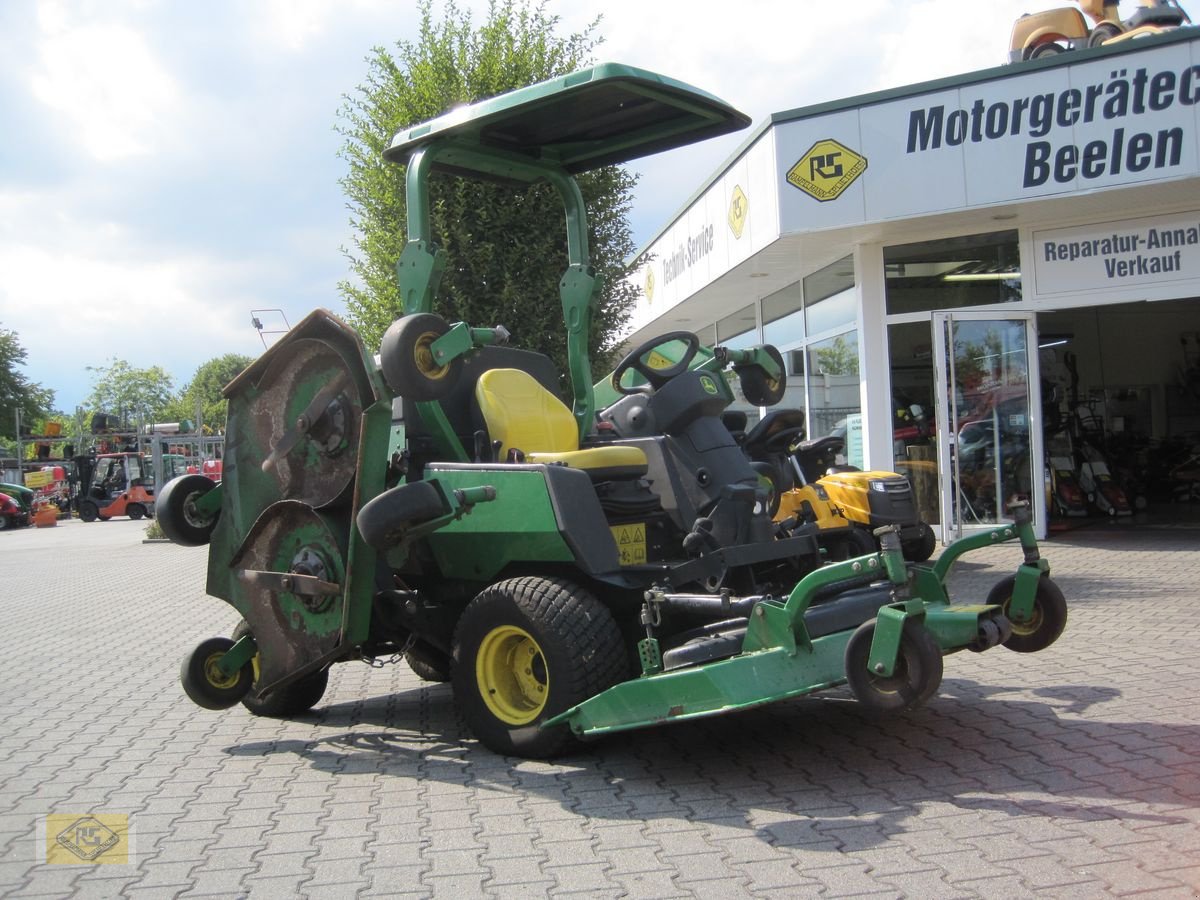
(205, 683)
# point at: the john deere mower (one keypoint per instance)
(571, 571)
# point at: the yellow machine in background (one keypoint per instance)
(845, 503)
(1057, 30)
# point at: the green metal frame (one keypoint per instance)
(780, 660)
(599, 116)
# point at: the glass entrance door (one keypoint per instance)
(988, 429)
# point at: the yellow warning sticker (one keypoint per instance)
(827, 169)
(631, 543)
(656, 360)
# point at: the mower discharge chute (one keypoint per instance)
(571, 570)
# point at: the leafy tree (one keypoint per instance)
(838, 358)
(206, 387)
(505, 248)
(16, 391)
(134, 396)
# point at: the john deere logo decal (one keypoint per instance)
(827, 169)
(739, 209)
(649, 284)
(708, 384)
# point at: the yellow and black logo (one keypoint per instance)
(649, 284)
(827, 169)
(739, 211)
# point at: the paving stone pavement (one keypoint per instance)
(1070, 773)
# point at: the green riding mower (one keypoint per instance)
(572, 571)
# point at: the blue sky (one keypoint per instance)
(167, 167)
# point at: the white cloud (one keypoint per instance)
(105, 84)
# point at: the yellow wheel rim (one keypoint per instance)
(511, 673)
(213, 674)
(1024, 629)
(423, 356)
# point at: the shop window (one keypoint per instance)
(915, 454)
(833, 394)
(829, 298)
(793, 394)
(739, 330)
(951, 273)
(783, 317)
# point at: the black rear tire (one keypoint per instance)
(1049, 618)
(917, 675)
(527, 649)
(292, 699)
(135, 511)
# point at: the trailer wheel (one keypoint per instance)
(1044, 626)
(290, 700)
(181, 522)
(922, 548)
(917, 675)
(204, 682)
(89, 511)
(136, 511)
(525, 650)
(406, 357)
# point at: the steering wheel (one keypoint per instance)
(655, 378)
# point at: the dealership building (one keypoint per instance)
(980, 280)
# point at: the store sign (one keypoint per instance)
(1117, 254)
(1080, 126)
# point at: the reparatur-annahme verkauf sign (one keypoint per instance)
(1112, 255)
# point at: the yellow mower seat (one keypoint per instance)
(523, 415)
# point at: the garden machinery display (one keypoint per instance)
(1057, 30)
(114, 484)
(572, 571)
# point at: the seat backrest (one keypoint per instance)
(523, 415)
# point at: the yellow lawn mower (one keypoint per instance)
(1057, 30)
(845, 503)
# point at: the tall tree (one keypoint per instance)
(505, 249)
(16, 391)
(135, 396)
(205, 388)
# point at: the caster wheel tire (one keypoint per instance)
(181, 522)
(428, 664)
(291, 700)
(382, 521)
(922, 548)
(1049, 617)
(916, 677)
(206, 684)
(757, 387)
(525, 650)
(406, 357)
